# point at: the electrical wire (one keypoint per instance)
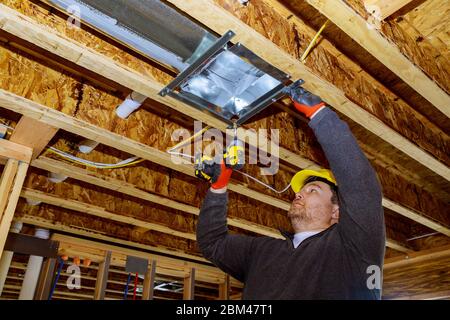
(264, 184)
(177, 146)
(125, 294)
(313, 41)
(98, 165)
(61, 265)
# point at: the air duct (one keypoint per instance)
(132, 102)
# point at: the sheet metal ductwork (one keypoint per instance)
(215, 75)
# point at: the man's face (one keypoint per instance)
(312, 205)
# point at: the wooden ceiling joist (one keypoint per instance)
(386, 52)
(65, 122)
(103, 181)
(24, 28)
(220, 20)
(82, 207)
(52, 225)
(48, 116)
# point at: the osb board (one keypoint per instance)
(40, 14)
(359, 55)
(88, 96)
(431, 19)
(112, 202)
(423, 56)
(105, 227)
(381, 154)
(91, 104)
(417, 279)
(347, 76)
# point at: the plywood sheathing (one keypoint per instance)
(96, 225)
(358, 86)
(104, 108)
(424, 55)
(355, 52)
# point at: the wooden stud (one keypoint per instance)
(102, 277)
(224, 289)
(8, 213)
(15, 151)
(189, 285)
(99, 180)
(46, 278)
(34, 134)
(387, 53)
(149, 281)
(6, 182)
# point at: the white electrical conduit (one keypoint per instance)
(91, 163)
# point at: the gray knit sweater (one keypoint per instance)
(336, 263)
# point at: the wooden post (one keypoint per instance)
(189, 285)
(149, 282)
(12, 177)
(102, 277)
(224, 289)
(45, 279)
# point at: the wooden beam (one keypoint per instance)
(164, 265)
(33, 134)
(62, 121)
(89, 131)
(438, 295)
(44, 223)
(17, 172)
(6, 182)
(224, 289)
(103, 181)
(415, 216)
(100, 212)
(14, 22)
(386, 52)
(189, 285)
(417, 257)
(382, 9)
(102, 277)
(149, 282)
(220, 20)
(45, 279)
(11, 150)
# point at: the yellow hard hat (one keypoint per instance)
(298, 180)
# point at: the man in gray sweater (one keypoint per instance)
(338, 247)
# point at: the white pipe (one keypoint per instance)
(33, 202)
(56, 177)
(133, 101)
(5, 261)
(34, 265)
(86, 146)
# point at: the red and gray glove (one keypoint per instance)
(209, 170)
(306, 102)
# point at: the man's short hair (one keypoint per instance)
(333, 187)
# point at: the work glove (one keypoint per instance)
(305, 102)
(216, 173)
